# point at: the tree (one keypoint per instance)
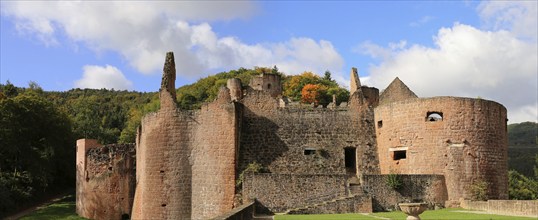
(520, 187)
(327, 76)
(313, 93)
(10, 90)
(36, 150)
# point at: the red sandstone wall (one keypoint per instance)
(468, 145)
(163, 188)
(214, 157)
(105, 189)
(83, 145)
(186, 161)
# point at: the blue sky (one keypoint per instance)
(451, 48)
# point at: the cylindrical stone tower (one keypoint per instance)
(462, 138)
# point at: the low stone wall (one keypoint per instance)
(430, 189)
(280, 192)
(504, 207)
(352, 204)
(243, 212)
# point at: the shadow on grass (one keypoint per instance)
(61, 209)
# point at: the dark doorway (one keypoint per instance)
(350, 160)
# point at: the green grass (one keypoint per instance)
(349, 216)
(62, 209)
(65, 209)
(443, 214)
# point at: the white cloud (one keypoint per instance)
(498, 64)
(142, 32)
(98, 77)
(517, 16)
(421, 21)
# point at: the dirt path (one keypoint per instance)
(45, 203)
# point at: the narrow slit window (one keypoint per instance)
(434, 116)
(309, 151)
(399, 154)
(269, 86)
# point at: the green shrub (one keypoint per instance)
(479, 190)
(394, 181)
(253, 167)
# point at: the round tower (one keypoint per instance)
(234, 85)
(463, 139)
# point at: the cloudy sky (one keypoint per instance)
(468, 48)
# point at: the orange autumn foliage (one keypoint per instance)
(311, 93)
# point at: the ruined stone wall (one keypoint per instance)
(305, 140)
(186, 159)
(267, 82)
(164, 174)
(187, 162)
(105, 189)
(213, 157)
(83, 145)
(467, 145)
(430, 189)
(280, 192)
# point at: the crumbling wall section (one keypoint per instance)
(305, 140)
(105, 189)
(213, 157)
(186, 158)
(462, 138)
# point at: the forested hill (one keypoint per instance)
(523, 148)
(523, 134)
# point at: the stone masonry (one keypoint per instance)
(313, 160)
(105, 180)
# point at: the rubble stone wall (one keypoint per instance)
(430, 189)
(305, 140)
(468, 145)
(280, 192)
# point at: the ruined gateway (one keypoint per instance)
(315, 160)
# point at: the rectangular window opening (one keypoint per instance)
(380, 124)
(350, 157)
(309, 151)
(399, 154)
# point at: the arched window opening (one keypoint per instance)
(434, 116)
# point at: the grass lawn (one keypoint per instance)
(397, 215)
(65, 209)
(349, 216)
(62, 209)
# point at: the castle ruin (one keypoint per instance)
(314, 160)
